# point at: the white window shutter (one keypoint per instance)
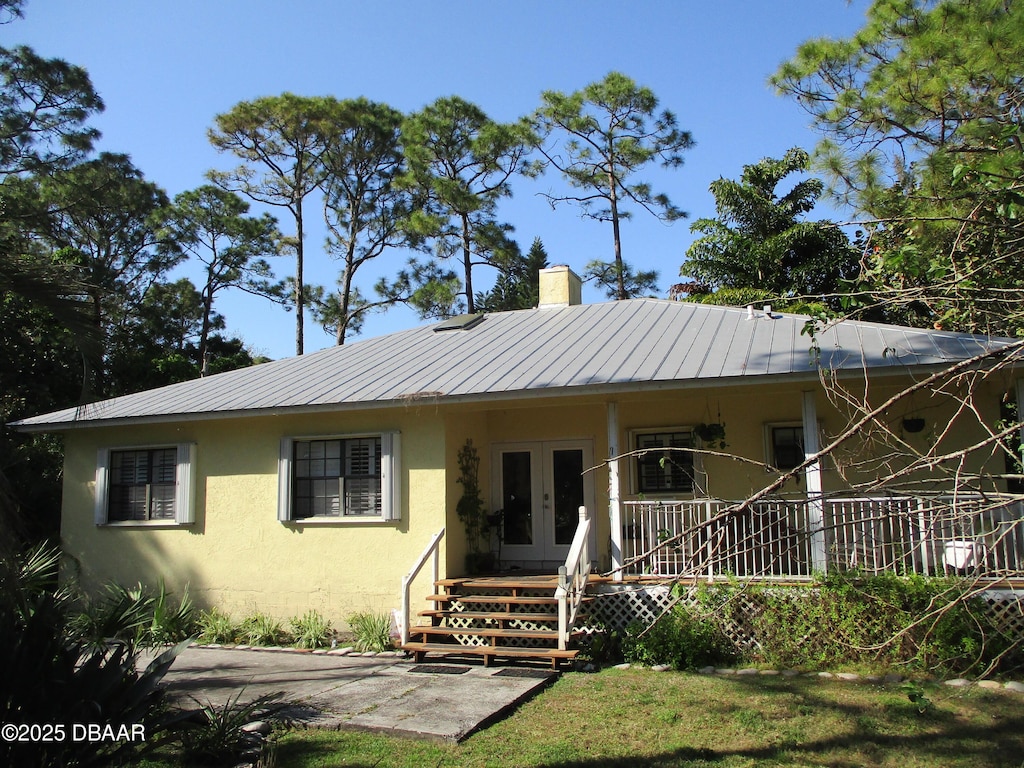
(185, 484)
(102, 486)
(390, 476)
(284, 481)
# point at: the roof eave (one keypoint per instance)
(604, 389)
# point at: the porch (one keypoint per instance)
(791, 539)
(778, 540)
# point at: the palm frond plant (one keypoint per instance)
(372, 631)
(217, 736)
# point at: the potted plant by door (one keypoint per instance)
(472, 513)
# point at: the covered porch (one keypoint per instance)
(792, 539)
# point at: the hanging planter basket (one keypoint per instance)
(711, 435)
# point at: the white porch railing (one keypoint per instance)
(433, 548)
(572, 579)
(775, 539)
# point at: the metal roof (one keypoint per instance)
(617, 345)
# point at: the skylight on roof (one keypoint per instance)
(460, 322)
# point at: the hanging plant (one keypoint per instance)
(711, 435)
(913, 424)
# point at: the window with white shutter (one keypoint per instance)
(339, 478)
(145, 485)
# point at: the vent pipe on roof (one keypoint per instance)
(750, 311)
(560, 287)
(767, 311)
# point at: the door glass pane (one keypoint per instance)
(567, 470)
(517, 498)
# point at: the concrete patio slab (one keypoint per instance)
(440, 700)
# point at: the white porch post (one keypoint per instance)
(614, 508)
(812, 476)
(1020, 411)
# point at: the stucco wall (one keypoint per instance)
(748, 411)
(237, 555)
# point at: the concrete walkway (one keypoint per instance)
(439, 700)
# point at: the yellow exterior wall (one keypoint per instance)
(747, 411)
(237, 556)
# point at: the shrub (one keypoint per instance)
(216, 627)
(217, 735)
(122, 614)
(261, 629)
(601, 646)
(135, 616)
(917, 622)
(679, 638)
(54, 674)
(372, 631)
(311, 630)
(172, 622)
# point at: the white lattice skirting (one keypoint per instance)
(617, 605)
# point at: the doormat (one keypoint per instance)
(537, 674)
(439, 669)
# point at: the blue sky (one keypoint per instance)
(165, 68)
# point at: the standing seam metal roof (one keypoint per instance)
(564, 349)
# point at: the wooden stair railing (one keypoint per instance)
(572, 579)
(522, 617)
(433, 548)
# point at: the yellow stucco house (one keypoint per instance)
(316, 482)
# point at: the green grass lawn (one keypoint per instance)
(638, 717)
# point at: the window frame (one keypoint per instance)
(696, 480)
(184, 486)
(390, 476)
(769, 443)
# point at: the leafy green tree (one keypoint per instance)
(157, 344)
(42, 371)
(518, 283)
(211, 224)
(622, 280)
(47, 336)
(280, 140)
(160, 343)
(923, 135)
(759, 239)
(430, 289)
(107, 221)
(603, 135)
(459, 165)
(44, 106)
(10, 10)
(364, 208)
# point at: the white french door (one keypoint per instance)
(540, 486)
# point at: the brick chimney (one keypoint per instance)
(560, 287)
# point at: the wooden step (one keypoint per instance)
(500, 582)
(488, 652)
(498, 616)
(506, 600)
(495, 633)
